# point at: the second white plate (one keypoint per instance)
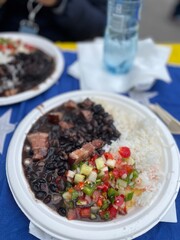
(49, 48)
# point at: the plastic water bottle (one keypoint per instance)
(121, 35)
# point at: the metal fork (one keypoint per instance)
(172, 123)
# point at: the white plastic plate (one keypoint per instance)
(49, 48)
(129, 226)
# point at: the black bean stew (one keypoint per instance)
(66, 135)
(25, 70)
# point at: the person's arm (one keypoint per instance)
(49, 3)
(2, 2)
(81, 19)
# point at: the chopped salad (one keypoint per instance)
(102, 187)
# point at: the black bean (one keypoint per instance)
(66, 165)
(55, 143)
(36, 186)
(81, 140)
(62, 211)
(49, 178)
(53, 187)
(51, 151)
(60, 164)
(89, 127)
(34, 175)
(44, 186)
(41, 180)
(108, 119)
(117, 134)
(94, 123)
(61, 172)
(40, 195)
(88, 138)
(51, 166)
(97, 108)
(64, 156)
(61, 168)
(83, 129)
(31, 153)
(69, 149)
(47, 199)
(55, 129)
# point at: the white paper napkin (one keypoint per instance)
(149, 65)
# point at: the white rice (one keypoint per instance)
(143, 138)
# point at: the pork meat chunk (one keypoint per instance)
(39, 144)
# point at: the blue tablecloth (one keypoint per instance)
(14, 225)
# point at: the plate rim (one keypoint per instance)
(47, 104)
(49, 82)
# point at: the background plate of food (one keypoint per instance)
(29, 65)
(91, 165)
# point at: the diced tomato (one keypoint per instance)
(99, 202)
(104, 187)
(129, 168)
(122, 172)
(70, 190)
(115, 173)
(105, 177)
(112, 211)
(85, 212)
(72, 214)
(108, 155)
(118, 164)
(92, 160)
(119, 200)
(10, 46)
(125, 170)
(96, 195)
(2, 47)
(125, 152)
(79, 186)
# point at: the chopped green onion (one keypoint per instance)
(129, 196)
(74, 167)
(112, 193)
(106, 215)
(81, 202)
(105, 205)
(98, 181)
(88, 190)
(135, 174)
(75, 195)
(70, 204)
